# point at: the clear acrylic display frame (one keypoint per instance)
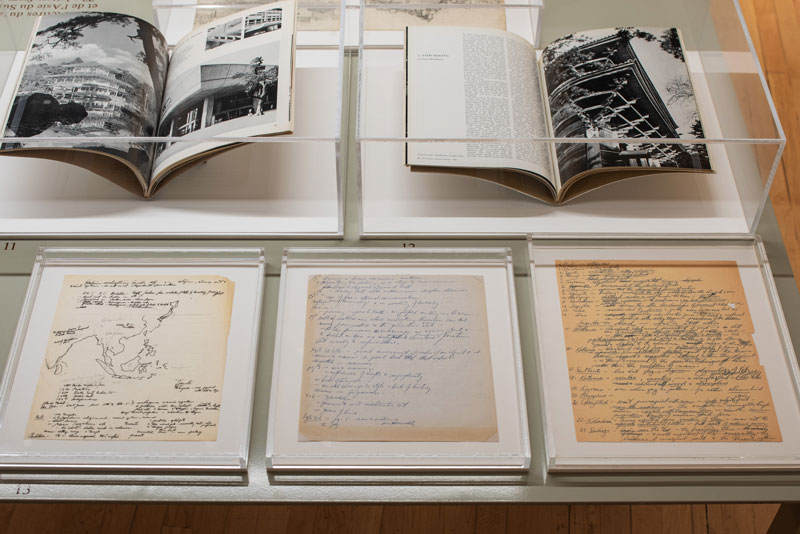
(277, 186)
(286, 453)
(743, 134)
(771, 337)
(224, 460)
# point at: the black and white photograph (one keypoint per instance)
(622, 83)
(262, 22)
(221, 34)
(91, 74)
(237, 90)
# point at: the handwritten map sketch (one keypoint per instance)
(397, 358)
(124, 348)
(662, 351)
(134, 358)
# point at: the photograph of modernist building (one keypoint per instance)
(622, 83)
(224, 33)
(110, 96)
(262, 22)
(239, 88)
(97, 78)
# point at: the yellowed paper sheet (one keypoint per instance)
(134, 358)
(397, 358)
(662, 351)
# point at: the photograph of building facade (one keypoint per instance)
(223, 34)
(600, 88)
(91, 75)
(262, 22)
(110, 96)
(225, 92)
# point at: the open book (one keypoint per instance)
(620, 83)
(110, 76)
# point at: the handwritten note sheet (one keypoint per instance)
(134, 358)
(397, 358)
(662, 351)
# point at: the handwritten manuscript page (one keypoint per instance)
(134, 358)
(397, 358)
(662, 351)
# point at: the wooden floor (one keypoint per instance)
(390, 519)
(775, 28)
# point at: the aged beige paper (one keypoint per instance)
(318, 18)
(662, 351)
(134, 358)
(397, 358)
(380, 15)
(397, 17)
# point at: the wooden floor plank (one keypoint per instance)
(81, 518)
(332, 519)
(458, 518)
(34, 518)
(302, 518)
(771, 52)
(547, 518)
(730, 519)
(178, 519)
(365, 519)
(241, 519)
(6, 511)
(789, 30)
(355, 519)
(664, 519)
(600, 519)
(149, 518)
(491, 519)
(396, 519)
(411, 519)
(210, 518)
(699, 519)
(117, 518)
(763, 514)
(273, 519)
(426, 519)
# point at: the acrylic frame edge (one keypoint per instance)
(501, 257)
(56, 466)
(593, 465)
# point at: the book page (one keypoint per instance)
(662, 351)
(472, 83)
(397, 358)
(92, 74)
(134, 358)
(622, 83)
(232, 77)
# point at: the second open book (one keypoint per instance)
(93, 79)
(620, 83)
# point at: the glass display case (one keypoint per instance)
(276, 185)
(741, 132)
(340, 177)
